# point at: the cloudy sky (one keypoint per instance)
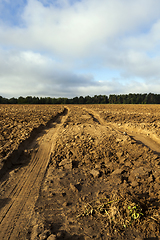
(67, 48)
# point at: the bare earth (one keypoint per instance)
(92, 172)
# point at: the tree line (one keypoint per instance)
(131, 98)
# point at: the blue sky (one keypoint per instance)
(67, 48)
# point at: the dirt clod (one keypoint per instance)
(95, 173)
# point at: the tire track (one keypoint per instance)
(16, 215)
(139, 138)
(25, 171)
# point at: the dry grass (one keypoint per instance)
(120, 212)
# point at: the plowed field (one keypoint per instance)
(80, 172)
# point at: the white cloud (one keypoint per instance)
(135, 64)
(74, 30)
(147, 42)
(51, 40)
(28, 73)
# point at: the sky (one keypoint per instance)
(68, 48)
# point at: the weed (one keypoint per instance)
(119, 214)
(135, 212)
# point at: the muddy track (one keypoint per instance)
(138, 137)
(20, 197)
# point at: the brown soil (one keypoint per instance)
(19, 122)
(86, 176)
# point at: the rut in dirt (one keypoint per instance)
(20, 198)
(139, 138)
(13, 159)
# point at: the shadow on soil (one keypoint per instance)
(151, 238)
(141, 143)
(14, 160)
(3, 202)
(62, 234)
(94, 119)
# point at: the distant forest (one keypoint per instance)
(130, 98)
